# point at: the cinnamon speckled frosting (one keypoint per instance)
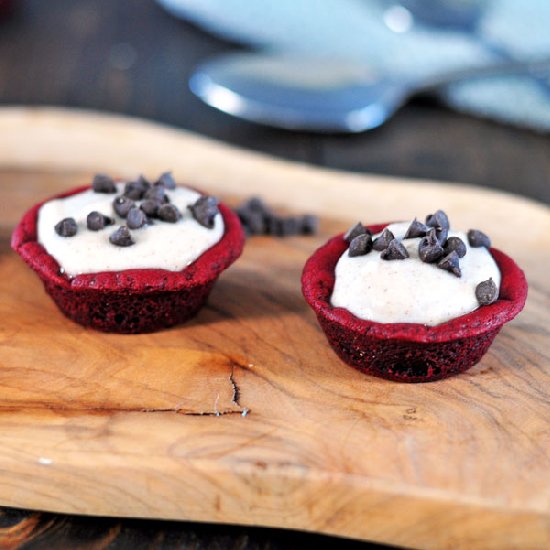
(410, 291)
(170, 246)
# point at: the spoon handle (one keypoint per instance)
(503, 68)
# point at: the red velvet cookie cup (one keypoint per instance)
(409, 352)
(133, 300)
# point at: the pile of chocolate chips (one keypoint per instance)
(155, 204)
(435, 247)
(259, 219)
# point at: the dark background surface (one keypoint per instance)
(130, 57)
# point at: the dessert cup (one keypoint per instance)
(132, 300)
(409, 352)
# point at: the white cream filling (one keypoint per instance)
(170, 246)
(410, 291)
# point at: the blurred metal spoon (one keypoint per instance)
(320, 95)
(460, 16)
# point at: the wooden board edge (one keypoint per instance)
(358, 508)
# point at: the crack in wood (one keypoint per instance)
(113, 410)
(236, 391)
(197, 403)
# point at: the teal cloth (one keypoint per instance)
(356, 29)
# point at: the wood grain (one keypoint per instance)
(461, 463)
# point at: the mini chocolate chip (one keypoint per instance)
(205, 210)
(429, 249)
(122, 205)
(477, 239)
(251, 211)
(486, 292)
(394, 251)
(290, 226)
(256, 205)
(136, 218)
(456, 244)
(244, 214)
(143, 181)
(121, 237)
(102, 183)
(450, 263)
(382, 242)
(156, 194)
(441, 233)
(309, 224)
(259, 219)
(416, 229)
(274, 225)
(150, 207)
(66, 227)
(431, 235)
(136, 189)
(437, 235)
(133, 192)
(255, 223)
(439, 219)
(96, 221)
(169, 213)
(166, 180)
(360, 245)
(355, 231)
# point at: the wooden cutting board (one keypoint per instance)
(245, 415)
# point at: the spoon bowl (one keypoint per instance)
(321, 95)
(305, 93)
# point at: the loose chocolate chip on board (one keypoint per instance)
(259, 219)
(102, 183)
(122, 205)
(66, 227)
(416, 229)
(282, 226)
(166, 180)
(169, 213)
(355, 231)
(121, 237)
(291, 226)
(244, 217)
(150, 207)
(394, 251)
(477, 239)
(136, 218)
(360, 245)
(274, 225)
(439, 219)
(451, 264)
(95, 221)
(456, 244)
(382, 242)
(205, 210)
(309, 224)
(486, 292)
(254, 223)
(256, 205)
